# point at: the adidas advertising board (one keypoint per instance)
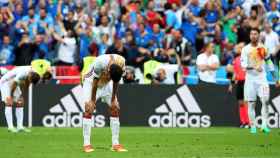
(202, 105)
(64, 109)
(273, 117)
(176, 113)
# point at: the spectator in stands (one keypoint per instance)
(44, 21)
(84, 33)
(117, 48)
(270, 39)
(6, 51)
(129, 77)
(229, 25)
(220, 41)
(194, 8)
(165, 74)
(67, 51)
(144, 38)
(171, 18)
(69, 22)
(105, 29)
(6, 20)
(134, 57)
(64, 7)
(191, 29)
(26, 51)
(273, 12)
(228, 54)
(250, 5)
(30, 22)
(162, 55)
(18, 12)
(255, 18)
(207, 64)
(104, 44)
(152, 16)
(42, 51)
(52, 8)
(276, 25)
(243, 31)
(157, 37)
(182, 47)
(213, 13)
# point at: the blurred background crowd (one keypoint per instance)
(167, 31)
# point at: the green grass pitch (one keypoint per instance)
(142, 143)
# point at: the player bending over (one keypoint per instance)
(102, 81)
(254, 56)
(12, 86)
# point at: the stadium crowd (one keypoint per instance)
(168, 31)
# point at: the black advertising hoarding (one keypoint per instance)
(203, 105)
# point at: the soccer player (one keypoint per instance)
(12, 86)
(237, 76)
(254, 56)
(102, 82)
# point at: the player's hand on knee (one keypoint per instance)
(9, 101)
(115, 104)
(114, 111)
(20, 101)
(90, 107)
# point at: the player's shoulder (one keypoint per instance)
(247, 46)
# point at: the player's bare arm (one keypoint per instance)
(10, 99)
(90, 106)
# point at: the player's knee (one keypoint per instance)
(8, 101)
(87, 115)
(20, 103)
(114, 112)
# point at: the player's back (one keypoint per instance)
(18, 73)
(102, 61)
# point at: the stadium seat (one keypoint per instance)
(221, 76)
(192, 78)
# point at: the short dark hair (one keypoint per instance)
(167, 6)
(116, 72)
(255, 29)
(47, 76)
(35, 77)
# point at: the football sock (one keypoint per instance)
(264, 112)
(241, 114)
(115, 128)
(86, 130)
(246, 118)
(252, 113)
(9, 116)
(19, 116)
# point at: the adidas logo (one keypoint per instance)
(69, 112)
(273, 118)
(180, 110)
